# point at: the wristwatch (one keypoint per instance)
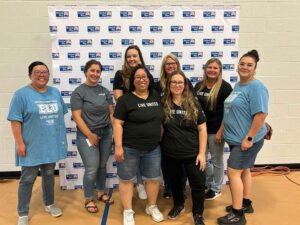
(249, 138)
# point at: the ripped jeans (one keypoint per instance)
(28, 176)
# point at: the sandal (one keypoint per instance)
(90, 208)
(105, 198)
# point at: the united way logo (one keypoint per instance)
(78, 165)
(126, 14)
(217, 29)
(86, 42)
(156, 55)
(168, 42)
(197, 29)
(168, 14)
(72, 29)
(228, 67)
(177, 54)
(209, 14)
(216, 54)
(156, 29)
(93, 29)
(147, 14)
(188, 41)
(55, 55)
(229, 41)
(209, 41)
(65, 68)
(233, 79)
(235, 28)
(127, 41)
(53, 29)
(74, 81)
(150, 67)
(188, 14)
(196, 55)
(188, 67)
(66, 94)
(71, 177)
(62, 14)
(107, 68)
(64, 42)
(73, 55)
(114, 29)
(105, 14)
(56, 80)
(106, 42)
(115, 55)
(229, 14)
(147, 42)
(135, 29)
(72, 154)
(94, 55)
(234, 54)
(176, 29)
(84, 14)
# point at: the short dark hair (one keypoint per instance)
(131, 78)
(90, 63)
(252, 54)
(34, 64)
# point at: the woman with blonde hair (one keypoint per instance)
(184, 145)
(211, 93)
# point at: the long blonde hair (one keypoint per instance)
(189, 104)
(163, 75)
(214, 92)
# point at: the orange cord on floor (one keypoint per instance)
(277, 170)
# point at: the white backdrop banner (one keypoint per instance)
(80, 33)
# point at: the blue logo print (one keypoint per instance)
(62, 14)
(176, 29)
(216, 54)
(127, 41)
(156, 29)
(209, 14)
(94, 55)
(115, 55)
(168, 14)
(196, 55)
(156, 55)
(126, 14)
(53, 29)
(72, 29)
(106, 41)
(168, 42)
(147, 14)
(188, 41)
(197, 29)
(93, 29)
(114, 29)
(105, 14)
(209, 41)
(84, 14)
(229, 14)
(73, 55)
(135, 29)
(188, 14)
(178, 54)
(86, 42)
(147, 41)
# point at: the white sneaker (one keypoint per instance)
(128, 218)
(53, 210)
(23, 220)
(153, 211)
(141, 191)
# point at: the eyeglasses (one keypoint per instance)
(37, 72)
(174, 83)
(171, 64)
(141, 78)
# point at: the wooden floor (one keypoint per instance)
(276, 202)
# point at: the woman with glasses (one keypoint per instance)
(211, 93)
(36, 114)
(184, 144)
(137, 129)
(92, 110)
(245, 111)
(133, 57)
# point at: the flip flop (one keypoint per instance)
(91, 208)
(105, 198)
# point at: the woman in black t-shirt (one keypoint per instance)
(211, 93)
(133, 57)
(184, 144)
(137, 131)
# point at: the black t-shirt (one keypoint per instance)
(119, 83)
(142, 120)
(215, 117)
(181, 138)
(158, 88)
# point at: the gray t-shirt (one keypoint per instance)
(93, 101)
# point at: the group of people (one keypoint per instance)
(169, 127)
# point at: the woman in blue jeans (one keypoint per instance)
(211, 93)
(92, 110)
(37, 119)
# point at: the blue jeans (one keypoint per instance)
(28, 176)
(214, 168)
(147, 161)
(94, 159)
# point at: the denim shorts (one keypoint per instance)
(240, 160)
(147, 161)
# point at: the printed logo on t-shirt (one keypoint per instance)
(101, 94)
(48, 108)
(147, 104)
(178, 112)
(202, 93)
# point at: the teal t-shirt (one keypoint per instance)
(43, 126)
(240, 108)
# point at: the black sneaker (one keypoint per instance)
(167, 193)
(198, 219)
(232, 219)
(175, 211)
(246, 209)
(211, 195)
